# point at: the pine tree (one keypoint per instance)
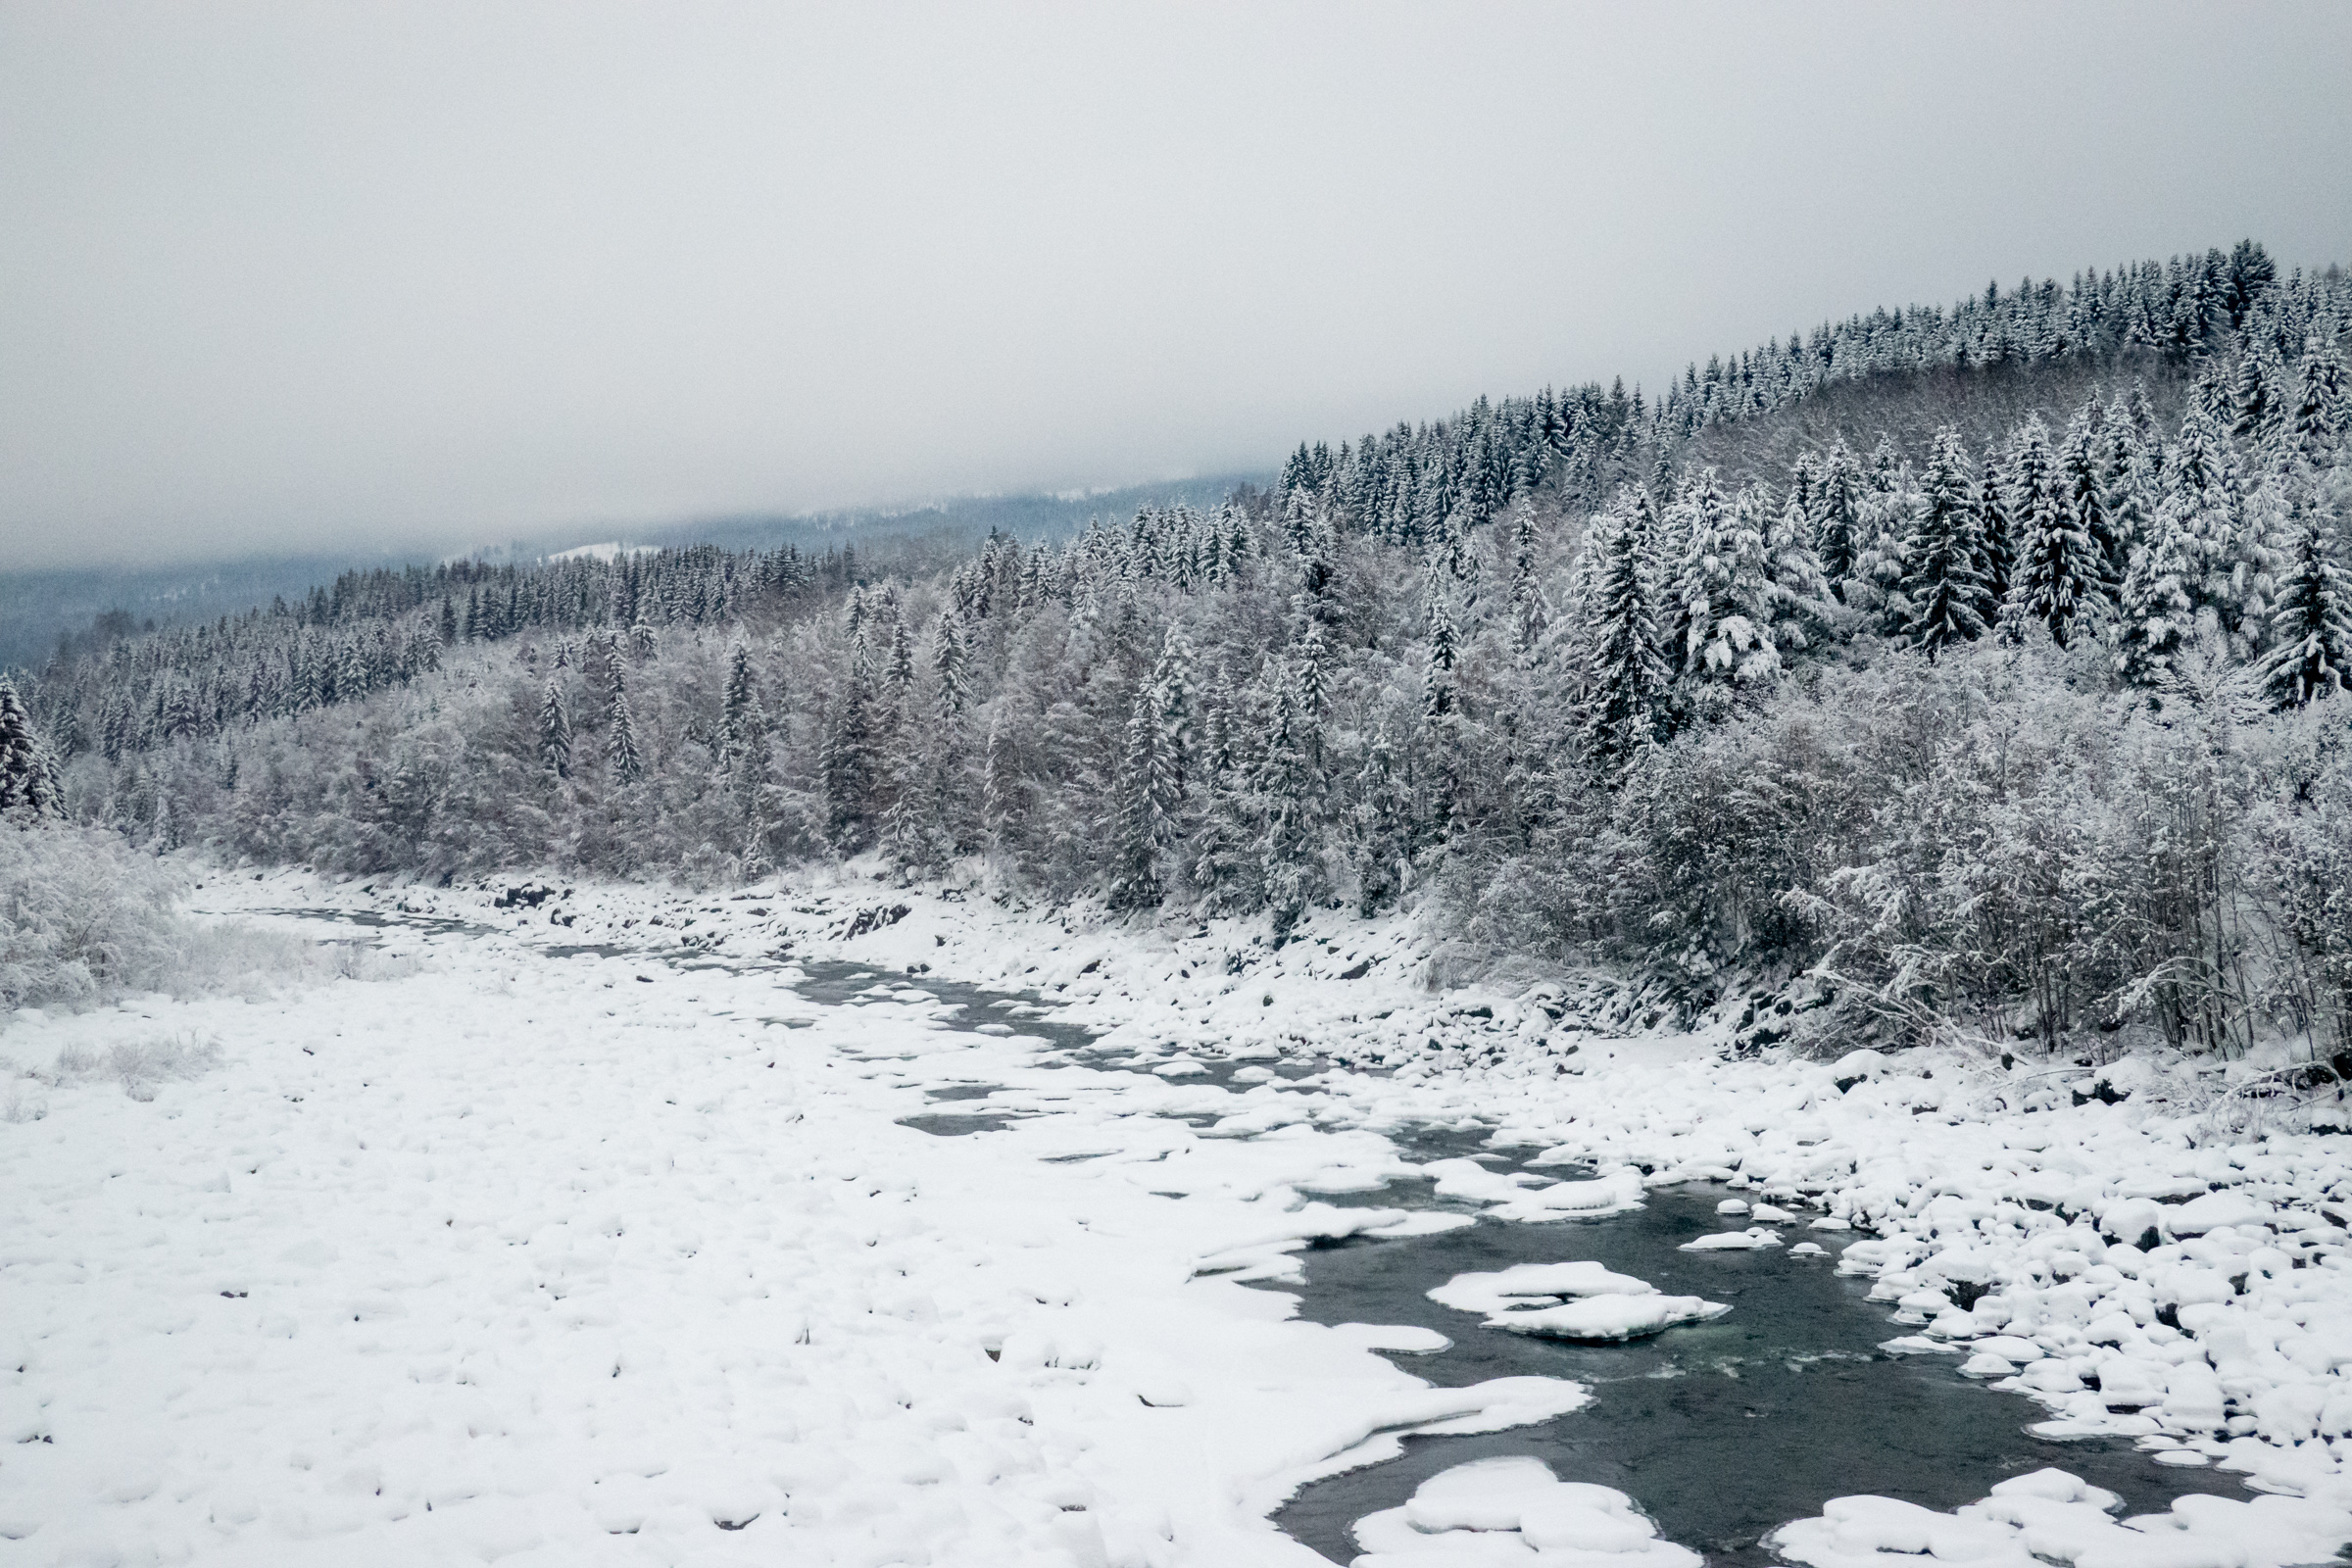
(1442, 633)
(1626, 681)
(2059, 566)
(2311, 629)
(555, 733)
(2317, 421)
(2083, 483)
(951, 663)
(848, 764)
(1154, 770)
(1527, 601)
(1690, 545)
(740, 718)
(1944, 588)
(1285, 786)
(902, 665)
(1836, 509)
(1996, 558)
(2223, 542)
(621, 741)
(29, 773)
(2257, 399)
(1885, 500)
(2157, 615)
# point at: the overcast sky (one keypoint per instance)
(307, 276)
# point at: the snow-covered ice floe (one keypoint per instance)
(1514, 1510)
(2050, 1516)
(1523, 1195)
(1574, 1300)
(1754, 1238)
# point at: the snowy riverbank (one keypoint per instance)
(547, 1243)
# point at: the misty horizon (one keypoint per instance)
(416, 279)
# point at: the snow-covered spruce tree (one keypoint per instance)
(1286, 787)
(740, 717)
(2085, 466)
(2158, 613)
(850, 764)
(1996, 558)
(1527, 596)
(2317, 421)
(1943, 589)
(621, 751)
(2311, 631)
(1836, 510)
(1886, 498)
(1626, 681)
(555, 733)
(2255, 392)
(951, 664)
(29, 775)
(1737, 613)
(1691, 541)
(1153, 775)
(2059, 566)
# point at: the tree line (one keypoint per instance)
(2028, 730)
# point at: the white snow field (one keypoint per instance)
(607, 1258)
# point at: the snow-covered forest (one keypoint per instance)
(1977, 662)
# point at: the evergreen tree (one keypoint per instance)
(739, 720)
(2311, 629)
(1153, 777)
(1996, 558)
(952, 664)
(849, 765)
(1626, 683)
(1837, 513)
(555, 733)
(902, 665)
(2157, 615)
(1527, 598)
(2083, 484)
(2257, 413)
(2317, 421)
(621, 741)
(2226, 544)
(28, 775)
(1945, 589)
(1443, 635)
(2059, 566)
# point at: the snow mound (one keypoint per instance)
(1747, 1240)
(1534, 1285)
(1607, 1319)
(2050, 1516)
(1514, 1510)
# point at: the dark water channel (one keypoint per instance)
(1720, 1431)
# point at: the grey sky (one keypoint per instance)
(308, 276)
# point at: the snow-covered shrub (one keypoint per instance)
(84, 917)
(138, 1065)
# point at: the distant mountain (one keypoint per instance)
(39, 607)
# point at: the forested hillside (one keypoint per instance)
(1982, 659)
